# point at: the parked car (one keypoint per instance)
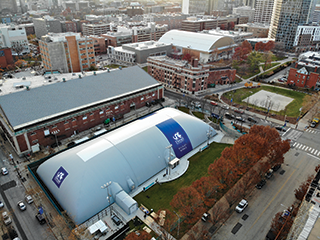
(225, 106)
(240, 119)
(251, 119)
(1, 204)
(22, 206)
(276, 167)
(28, 199)
(6, 218)
(239, 111)
(316, 120)
(116, 220)
(41, 219)
(4, 171)
(213, 103)
(205, 217)
(229, 116)
(313, 124)
(280, 128)
(241, 206)
(269, 173)
(261, 184)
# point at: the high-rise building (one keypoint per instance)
(67, 52)
(14, 37)
(95, 29)
(8, 6)
(263, 11)
(199, 6)
(45, 25)
(287, 16)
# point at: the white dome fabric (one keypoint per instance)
(136, 151)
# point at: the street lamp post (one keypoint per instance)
(178, 222)
(55, 132)
(106, 185)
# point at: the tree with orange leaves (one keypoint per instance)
(189, 203)
(206, 188)
(138, 235)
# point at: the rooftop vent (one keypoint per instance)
(24, 78)
(63, 79)
(94, 73)
(79, 75)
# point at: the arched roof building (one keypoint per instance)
(127, 157)
(200, 45)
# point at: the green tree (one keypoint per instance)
(253, 60)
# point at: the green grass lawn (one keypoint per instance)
(270, 66)
(160, 196)
(184, 109)
(198, 115)
(145, 68)
(249, 74)
(292, 109)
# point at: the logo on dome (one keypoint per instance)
(59, 176)
(178, 138)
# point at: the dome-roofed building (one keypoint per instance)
(127, 157)
(205, 47)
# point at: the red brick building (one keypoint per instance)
(304, 76)
(99, 44)
(50, 113)
(5, 57)
(71, 26)
(189, 78)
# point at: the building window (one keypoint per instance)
(84, 118)
(33, 133)
(101, 112)
(116, 107)
(35, 141)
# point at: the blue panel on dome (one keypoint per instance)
(176, 136)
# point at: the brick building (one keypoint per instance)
(116, 39)
(71, 26)
(50, 113)
(5, 57)
(305, 73)
(99, 44)
(258, 30)
(189, 78)
(194, 24)
(67, 52)
(95, 29)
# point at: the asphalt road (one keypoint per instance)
(12, 191)
(275, 196)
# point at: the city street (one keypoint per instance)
(277, 195)
(12, 191)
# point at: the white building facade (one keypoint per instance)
(14, 37)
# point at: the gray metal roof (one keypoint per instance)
(37, 104)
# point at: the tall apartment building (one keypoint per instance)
(71, 26)
(263, 11)
(99, 44)
(147, 33)
(192, 24)
(286, 19)
(67, 52)
(45, 25)
(8, 6)
(14, 37)
(244, 11)
(95, 29)
(307, 38)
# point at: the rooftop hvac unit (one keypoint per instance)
(55, 78)
(79, 75)
(24, 78)
(63, 79)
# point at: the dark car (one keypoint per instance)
(281, 129)
(276, 167)
(116, 220)
(313, 124)
(261, 184)
(251, 119)
(269, 174)
(41, 219)
(54, 145)
(229, 116)
(240, 119)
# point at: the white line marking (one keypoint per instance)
(315, 153)
(294, 144)
(313, 156)
(303, 147)
(318, 153)
(312, 151)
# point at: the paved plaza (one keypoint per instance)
(265, 99)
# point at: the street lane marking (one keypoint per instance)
(318, 153)
(315, 153)
(307, 148)
(303, 147)
(313, 156)
(294, 144)
(312, 151)
(276, 194)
